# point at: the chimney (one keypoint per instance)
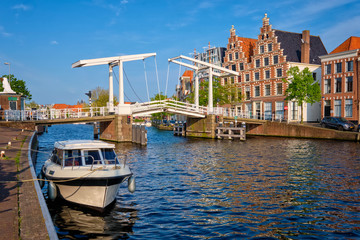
(305, 47)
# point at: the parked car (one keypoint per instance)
(338, 123)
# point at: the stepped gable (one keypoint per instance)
(351, 43)
(248, 45)
(291, 44)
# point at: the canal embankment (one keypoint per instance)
(23, 211)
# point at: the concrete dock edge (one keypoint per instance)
(45, 211)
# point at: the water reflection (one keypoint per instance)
(203, 189)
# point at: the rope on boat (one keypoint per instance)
(55, 181)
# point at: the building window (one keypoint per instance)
(262, 49)
(232, 80)
(327, 86)
(349, 66)
(348, 107)
(257, 76)
(338, 67)
(257, 62)
(247, 93)
(236, 55)
(225, 81)
(241, 66)
(276, 59)
(267, 90)
(12, 105)
(239, 79)
(328, 69)
(257, 91)
(269, 47)
(337, 85)
(267, 110)
(279, 72)
(279, 110)
(294, 111)
(267, 74)
(349, 84)
(233, 67)
(279, 89)
(247, 77)
(337, 108)
(314, 76)
(266, 61)
(230, 57)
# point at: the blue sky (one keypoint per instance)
(41, 39)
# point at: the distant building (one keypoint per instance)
(263, 64)
(186, 83)
(340, 81)
(213, 55)
(9, 99)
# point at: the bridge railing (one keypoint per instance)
(248, 114)
(168, 103)
(50, 114)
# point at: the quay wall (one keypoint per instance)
(299, 131)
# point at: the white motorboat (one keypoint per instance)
(86, 172)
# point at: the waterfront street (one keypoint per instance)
(20, 213)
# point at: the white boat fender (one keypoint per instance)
(131, 184)
(52, 191)
(41, 179)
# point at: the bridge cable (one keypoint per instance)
(124, 91)
(157, 77)
(132, 86)
(147, 88)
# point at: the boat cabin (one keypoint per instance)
(84, 153)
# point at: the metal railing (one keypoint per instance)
(50, 114)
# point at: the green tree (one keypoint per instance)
(162, 115)
(302, 87)
(222, 94)
(32, 104)
(19, 86)
(100, 97)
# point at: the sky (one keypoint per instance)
(41, 39)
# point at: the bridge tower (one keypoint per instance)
(119, 129)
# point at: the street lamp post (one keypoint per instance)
(9, 71)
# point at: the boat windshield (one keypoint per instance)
(109, 156)
(73, 158)
(92, 157)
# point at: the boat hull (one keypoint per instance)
(98, 193)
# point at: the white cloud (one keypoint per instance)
(337, 34)
(21, 7)
(54, 42)
(4, 33)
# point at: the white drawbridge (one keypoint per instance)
(168, 105)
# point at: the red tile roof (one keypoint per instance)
(248, 45)
(351, 43)
(65, 106)
(188, 73)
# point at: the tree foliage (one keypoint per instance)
(302, 87)
(32, 104)
(100, 97)
(19, 86)
(162, 115)
(227, 94)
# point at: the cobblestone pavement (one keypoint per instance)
(20, 212)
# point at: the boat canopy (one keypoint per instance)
(82, 144)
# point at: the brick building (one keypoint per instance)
(340, 81)
(263, 63)
(186, 83)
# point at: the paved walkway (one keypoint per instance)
(20, 212)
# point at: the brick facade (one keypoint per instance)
(263, 63)
(340, 81)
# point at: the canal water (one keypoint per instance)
(217, 189)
